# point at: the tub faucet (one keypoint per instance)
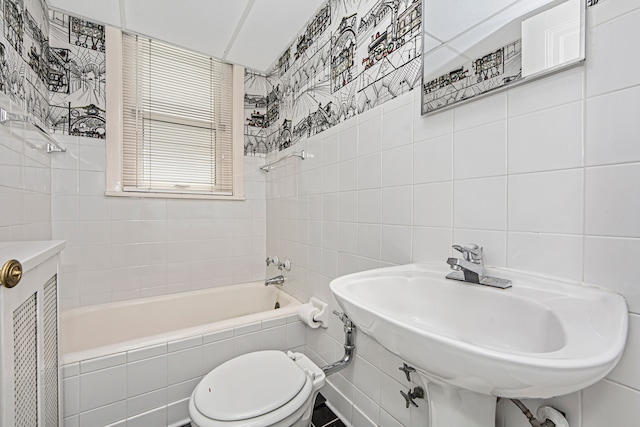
(278, 280)
(470, 268)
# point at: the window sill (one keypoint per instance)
(171, 195)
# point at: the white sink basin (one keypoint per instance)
(538, 339)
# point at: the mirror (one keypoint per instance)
(472, 48)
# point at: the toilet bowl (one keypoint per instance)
(260, 389)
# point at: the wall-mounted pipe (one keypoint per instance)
(349, 346)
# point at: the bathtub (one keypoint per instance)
(136, 362)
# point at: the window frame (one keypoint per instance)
(114, 128)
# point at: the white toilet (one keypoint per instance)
(260, 389)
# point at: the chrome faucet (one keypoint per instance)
(277, 280)
(470, 269)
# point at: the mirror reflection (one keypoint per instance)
(471, 47)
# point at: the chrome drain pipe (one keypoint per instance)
(349, 346)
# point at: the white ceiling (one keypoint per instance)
(252, 33)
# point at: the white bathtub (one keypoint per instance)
(136, 362)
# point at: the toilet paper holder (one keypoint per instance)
(315, 313)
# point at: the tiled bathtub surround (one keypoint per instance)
(546, 176)
(150, 386)
(25, 182)
(124, 247)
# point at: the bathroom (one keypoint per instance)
(545, 175)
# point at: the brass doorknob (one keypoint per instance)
(11, 273)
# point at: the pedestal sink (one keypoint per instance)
(472, 343)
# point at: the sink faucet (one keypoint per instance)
(470, 269)
(277, 280)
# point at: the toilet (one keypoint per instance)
(259, 389)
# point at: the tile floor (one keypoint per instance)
(322, 416)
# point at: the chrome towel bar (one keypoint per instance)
(52, 144)
(303, 155)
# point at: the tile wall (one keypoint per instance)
(546, 176)
(25, 182)
(151, 386)
(121, 247)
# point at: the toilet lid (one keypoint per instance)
(249, 386)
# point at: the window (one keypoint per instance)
(174, 121)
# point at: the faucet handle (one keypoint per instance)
(471, 252)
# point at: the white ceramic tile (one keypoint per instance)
(562, 88)
(431, 244)
(432, 204)
(369, 236)
(272, 323)
(481, 112)
(546, 202)
(178, 413)
(216, 353)
(397, 127)
(348, 206)
(181, 390)
(370, 206)
(71, 396)
(432, 160)
(348, 142)
(105, 415)
(296, 334)
(274, 338)
(626, 371)
(546, 254)
(388, 421)
(392, 402)
(370, 136)
(123, 232)
(613, 128)
(433, 125)
(146, 352)
(109, 361)
(348, 175)
(72, 421)
(610, 404)
(392, 199)
(330, 178)
(347, 237)
(103, 387)
(91, 183)
(246, 344)
(480, 151)
(608, 47)
(125, 209)
(493, 242)
(94, 233)
(610, 262)
(480, 203)
(397, 166)
(329, 147)
(369, 171)
(94, 208)
(366, 412)
(396, 244)
(184, 365)
(367, 378)
(70, 370)
(329, 263)
(247, 328)
(146, 402)
(547, 139)
(609, 209)
(330, 207)
(146, 375)
(155, 417)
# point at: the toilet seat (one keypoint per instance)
(264, 388)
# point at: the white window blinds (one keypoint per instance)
(177, 120)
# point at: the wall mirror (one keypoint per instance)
(473, 48)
